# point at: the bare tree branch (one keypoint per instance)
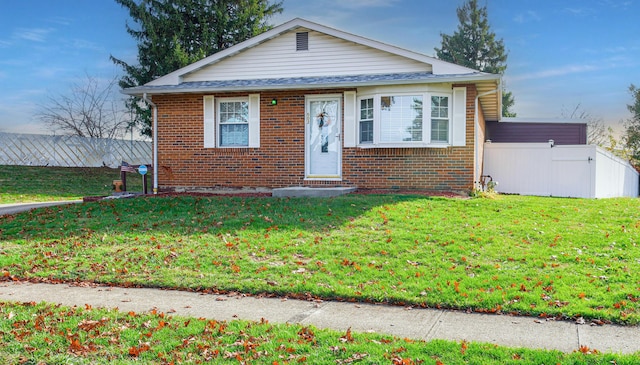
(597, 133)
(90, 109)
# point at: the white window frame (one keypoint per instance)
(360, 119)
(457, 99)
(377, 104)
(449, 117)
(219, 125)
(377, 128)
(212, 126)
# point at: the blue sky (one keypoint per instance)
(561, 53)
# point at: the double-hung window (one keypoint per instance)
(233, 122)
(366, 120)
(440, 118)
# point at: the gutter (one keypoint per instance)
(478, 169)
(155, 142)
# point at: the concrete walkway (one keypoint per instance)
(6, 209)
(426, 324)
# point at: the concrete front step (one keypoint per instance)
(307, 192)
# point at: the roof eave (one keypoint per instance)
(171, 89)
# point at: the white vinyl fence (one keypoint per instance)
(583, 171)
(71, 151)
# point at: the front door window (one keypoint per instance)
(323, 138)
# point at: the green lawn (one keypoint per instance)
(50, 334)
(22, 184)
(538, 256)
(555, 257)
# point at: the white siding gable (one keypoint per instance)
(327, 56)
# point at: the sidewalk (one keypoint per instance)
(6, 209)
(425, 324)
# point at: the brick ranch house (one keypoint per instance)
(308, 105)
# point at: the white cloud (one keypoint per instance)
(528, 16)
(360, 4)
(49, 72)
(323, 11)
(33, 34)
(60, 21)
(556, 72)
(86, 45)
(580, 11)
(617, 3)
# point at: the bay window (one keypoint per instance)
(412, 119)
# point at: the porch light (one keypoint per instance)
(274, 101)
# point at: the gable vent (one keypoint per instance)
(302, 41)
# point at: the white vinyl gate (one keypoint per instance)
(543, 169)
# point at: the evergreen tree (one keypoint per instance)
(474, 45)
(174, 33)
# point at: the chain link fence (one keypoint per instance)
(71, 151)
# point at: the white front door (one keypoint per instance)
(323, 145)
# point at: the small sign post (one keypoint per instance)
(142, 170)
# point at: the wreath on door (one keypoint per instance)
(321, 119)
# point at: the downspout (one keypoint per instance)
(477, 173)
(155, 142)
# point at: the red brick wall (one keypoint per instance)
(279, 162)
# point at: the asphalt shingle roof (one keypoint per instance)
(316, 81)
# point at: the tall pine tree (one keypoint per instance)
(474, 45)
(174, 33)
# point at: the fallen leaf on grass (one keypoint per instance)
(587, 351)
(353, 358)
(347, 337)
(135, 351)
